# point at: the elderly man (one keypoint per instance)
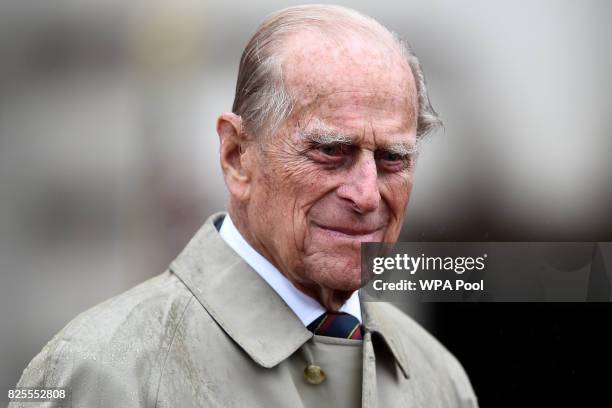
(262, 309)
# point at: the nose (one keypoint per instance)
(360, 188)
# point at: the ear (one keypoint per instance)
(234, 142)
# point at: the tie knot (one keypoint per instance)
(336, 324)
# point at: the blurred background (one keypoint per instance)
(109, 156)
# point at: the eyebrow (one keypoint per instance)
(403, 149)
(325, 137)
(329, 136)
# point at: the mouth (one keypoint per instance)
(352, 233)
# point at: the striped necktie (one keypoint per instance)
(336, 324)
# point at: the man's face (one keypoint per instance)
(339, 171)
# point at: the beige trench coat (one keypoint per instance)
(209, 332)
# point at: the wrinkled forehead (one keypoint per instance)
(357, 115)
(333, 74)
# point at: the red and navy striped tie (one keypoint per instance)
(336, 324)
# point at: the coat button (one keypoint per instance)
(313, 374)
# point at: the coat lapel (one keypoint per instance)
(376, 321)
(236, 297)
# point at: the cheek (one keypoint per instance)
(396, 192)
(289, 190)
(397, 195)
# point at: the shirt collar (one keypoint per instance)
(249, 310)
(306, 308)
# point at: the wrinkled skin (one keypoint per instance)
(307, 205)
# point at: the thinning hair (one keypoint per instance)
(261, 98)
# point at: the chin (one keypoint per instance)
(337, 273)
(347, 284)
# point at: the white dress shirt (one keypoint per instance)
(306, 308)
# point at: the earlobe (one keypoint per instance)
(233, 158)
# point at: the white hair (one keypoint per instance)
(261, 98)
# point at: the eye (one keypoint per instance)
(391, 157)
(330, 154)
(333, 150)
(393, 162)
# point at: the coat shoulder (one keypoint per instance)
(146, 311)
(117, 348)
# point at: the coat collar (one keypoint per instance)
(248, 309)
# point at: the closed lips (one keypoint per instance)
(349, 230)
